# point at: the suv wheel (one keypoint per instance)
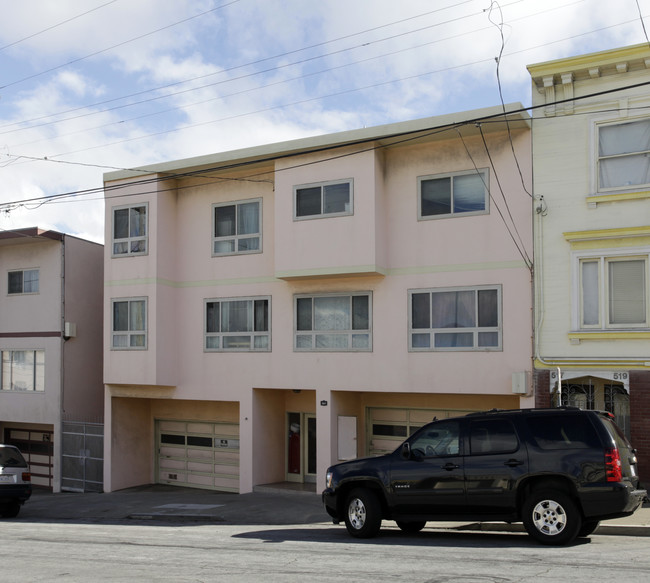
(551, 517)
(362, 514)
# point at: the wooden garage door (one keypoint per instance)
(198, 454)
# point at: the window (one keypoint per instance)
(23, 370)
(241, 324)
(453, 194)
(237, 228)
(130, 230)
(492, 436)
(326, 198)
(23, 282)
(455, 319)
(437, 440)
(130, 324)
(333, 322)
(623, 155)
(613, 292)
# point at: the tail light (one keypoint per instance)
(613, 467)
(27, 477)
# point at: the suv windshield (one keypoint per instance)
(10, 456)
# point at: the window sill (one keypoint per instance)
(577, 337)
(594, 200)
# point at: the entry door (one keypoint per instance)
(301, 447)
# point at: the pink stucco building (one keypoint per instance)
(51, 389)
(270, 311)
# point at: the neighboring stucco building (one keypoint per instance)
(591, 144)
(51, 396)
(270, 311)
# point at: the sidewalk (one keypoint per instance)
(159, 503)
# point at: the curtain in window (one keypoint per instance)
(454, 309)
(627, 292)
(235, 316)
(138, 221)
(469, 193)
(629, 143)
(336, 198)
(332, 313)
(30, 281)
(590, 293)
(224, 221)
(248, 218)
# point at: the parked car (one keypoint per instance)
(559, 471)
(15, 481)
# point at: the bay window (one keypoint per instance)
(130, 230)
(323, 199)
(624, 155)
(238, 324)
(455, 319)
(333, 322)
(129, 324)
(237, 227)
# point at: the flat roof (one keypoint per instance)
(515, 112)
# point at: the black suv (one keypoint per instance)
(559, 471)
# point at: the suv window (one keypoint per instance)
(563, 431)
(615, 432)
(10, 456)
(437, 440)
(492, 436)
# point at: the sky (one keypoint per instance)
(90, 86)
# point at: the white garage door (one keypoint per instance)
(198, 455)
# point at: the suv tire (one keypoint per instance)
(362, 513)
(551, 517)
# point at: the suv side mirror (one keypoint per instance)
(406, 451)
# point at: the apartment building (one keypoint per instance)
(51, 396)
(272, 310)
(591, 142)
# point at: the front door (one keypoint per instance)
(301, 447)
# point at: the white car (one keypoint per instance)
(15, 481)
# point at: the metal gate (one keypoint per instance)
(82, 453)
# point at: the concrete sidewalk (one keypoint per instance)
(268, 506)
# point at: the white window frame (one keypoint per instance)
(214, 341)
(323, 214)
(356, 340)
(131, 241)
(597, 158)
(8, 372)
(603, 259)
(236, 237)
(22, 282)
(474, 330)
(129, 334)
(483, 173)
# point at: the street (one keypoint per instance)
(156, 551)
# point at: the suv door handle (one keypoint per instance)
(449, 467)
(513, 463)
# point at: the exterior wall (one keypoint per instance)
(381, 248)
(70, 290)
(573, 219)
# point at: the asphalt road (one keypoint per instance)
(73, 552)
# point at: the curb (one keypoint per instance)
(604, 529)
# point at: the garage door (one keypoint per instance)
(198, 455)
(37, 447)
(388, 428)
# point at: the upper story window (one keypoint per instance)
(238, 324)
(455, 319)
(447, 195)
(624, 155)
(129, 324)
(323, 199)
(23, 281)
(336, 322)
(237, 227)
(130, 230)
(614, 292)
(23, 370)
